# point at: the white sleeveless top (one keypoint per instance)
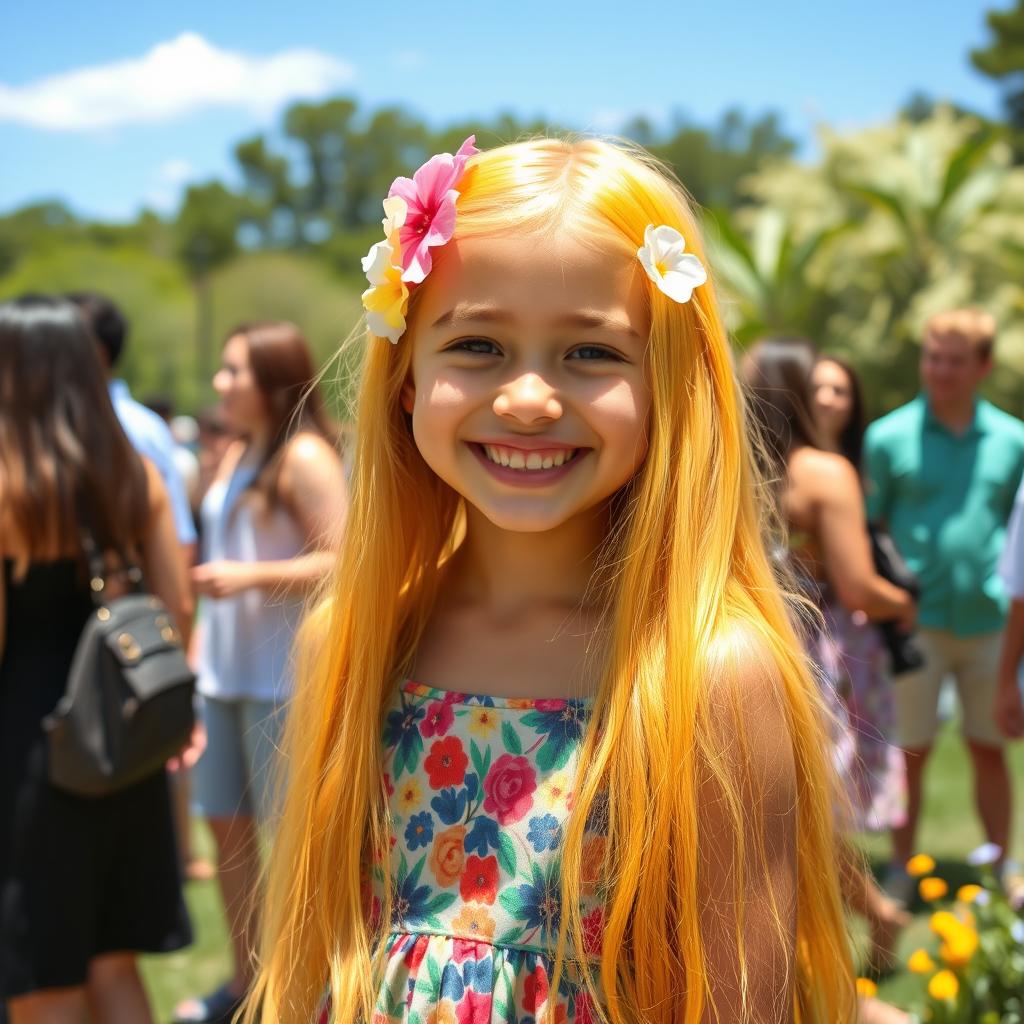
(245, 640)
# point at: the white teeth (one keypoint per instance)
(515, 459)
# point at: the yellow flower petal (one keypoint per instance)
(959, 947)
(920, 962)
(932, 889)
(943, 922)
(968, 893)
(866, 988)
(920, 865)
(943, 985)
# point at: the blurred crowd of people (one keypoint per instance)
(894, 536)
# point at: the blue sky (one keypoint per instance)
(109, 111)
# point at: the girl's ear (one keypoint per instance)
(408, 395)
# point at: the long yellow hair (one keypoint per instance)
(684, 566)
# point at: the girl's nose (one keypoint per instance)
(528, 398)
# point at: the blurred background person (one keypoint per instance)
(270, 522)
(86, 882)
(880, 782)
(821, 501)
(213, 439)
(145, 429)
(1009, 707)
(184, 436)
(196, 868)
(941, 474)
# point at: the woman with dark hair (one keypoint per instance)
(820, 497)
(270, 523)
(86, 883)
(838, 408)
(837, 401)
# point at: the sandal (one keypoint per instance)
(218, 1007)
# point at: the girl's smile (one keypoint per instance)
(527, 467)
(528, 390)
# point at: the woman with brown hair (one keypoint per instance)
(270, 521)
(86, 882)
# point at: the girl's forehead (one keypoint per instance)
(536, 276)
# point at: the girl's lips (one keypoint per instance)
(526, 477)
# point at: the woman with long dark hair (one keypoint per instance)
(838, 407)
(270, 522)
(829, 548)
(86, 883)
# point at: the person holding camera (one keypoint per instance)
(941, 474)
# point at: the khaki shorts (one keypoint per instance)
(973, 662)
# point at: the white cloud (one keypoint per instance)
(174, 78)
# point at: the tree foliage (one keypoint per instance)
(1003, 59)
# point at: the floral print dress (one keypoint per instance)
(479, 790)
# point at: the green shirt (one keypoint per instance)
(946, 499)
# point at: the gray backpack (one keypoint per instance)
(127, 706)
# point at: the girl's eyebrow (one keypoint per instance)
(585, 319)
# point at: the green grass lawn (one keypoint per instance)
(949, 831)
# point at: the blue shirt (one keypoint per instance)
(151, 437)
(946, 499)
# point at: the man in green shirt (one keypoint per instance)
(941, 473)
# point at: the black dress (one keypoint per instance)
(79, 877)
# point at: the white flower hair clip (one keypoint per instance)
(675, 272)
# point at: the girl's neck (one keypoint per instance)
(511, 573)
(257, 442)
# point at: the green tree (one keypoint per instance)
(712, 163)
(1003, 59)
(324, 133)
(207, 229)
(924, 216)
(273, 210)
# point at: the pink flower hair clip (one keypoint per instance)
(419, 216)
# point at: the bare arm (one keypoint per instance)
(846, 547)
(312, 486)
(747, 714)
(162, 559)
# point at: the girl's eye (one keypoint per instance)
(592, 352)
(479, 345)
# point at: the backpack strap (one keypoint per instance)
(94, 559)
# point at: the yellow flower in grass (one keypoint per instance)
(943, 985)
(920, 962)
(866, 988)
(944, 923)
(969, 893)
(932, 889)
(410, 796)
(482, 721)
(920, 865)
(959, 947)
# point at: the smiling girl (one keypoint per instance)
(555, 754)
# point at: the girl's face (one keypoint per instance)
(528, 389)
(831, 397)
(241, 399)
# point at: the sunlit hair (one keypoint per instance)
(684, 570)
